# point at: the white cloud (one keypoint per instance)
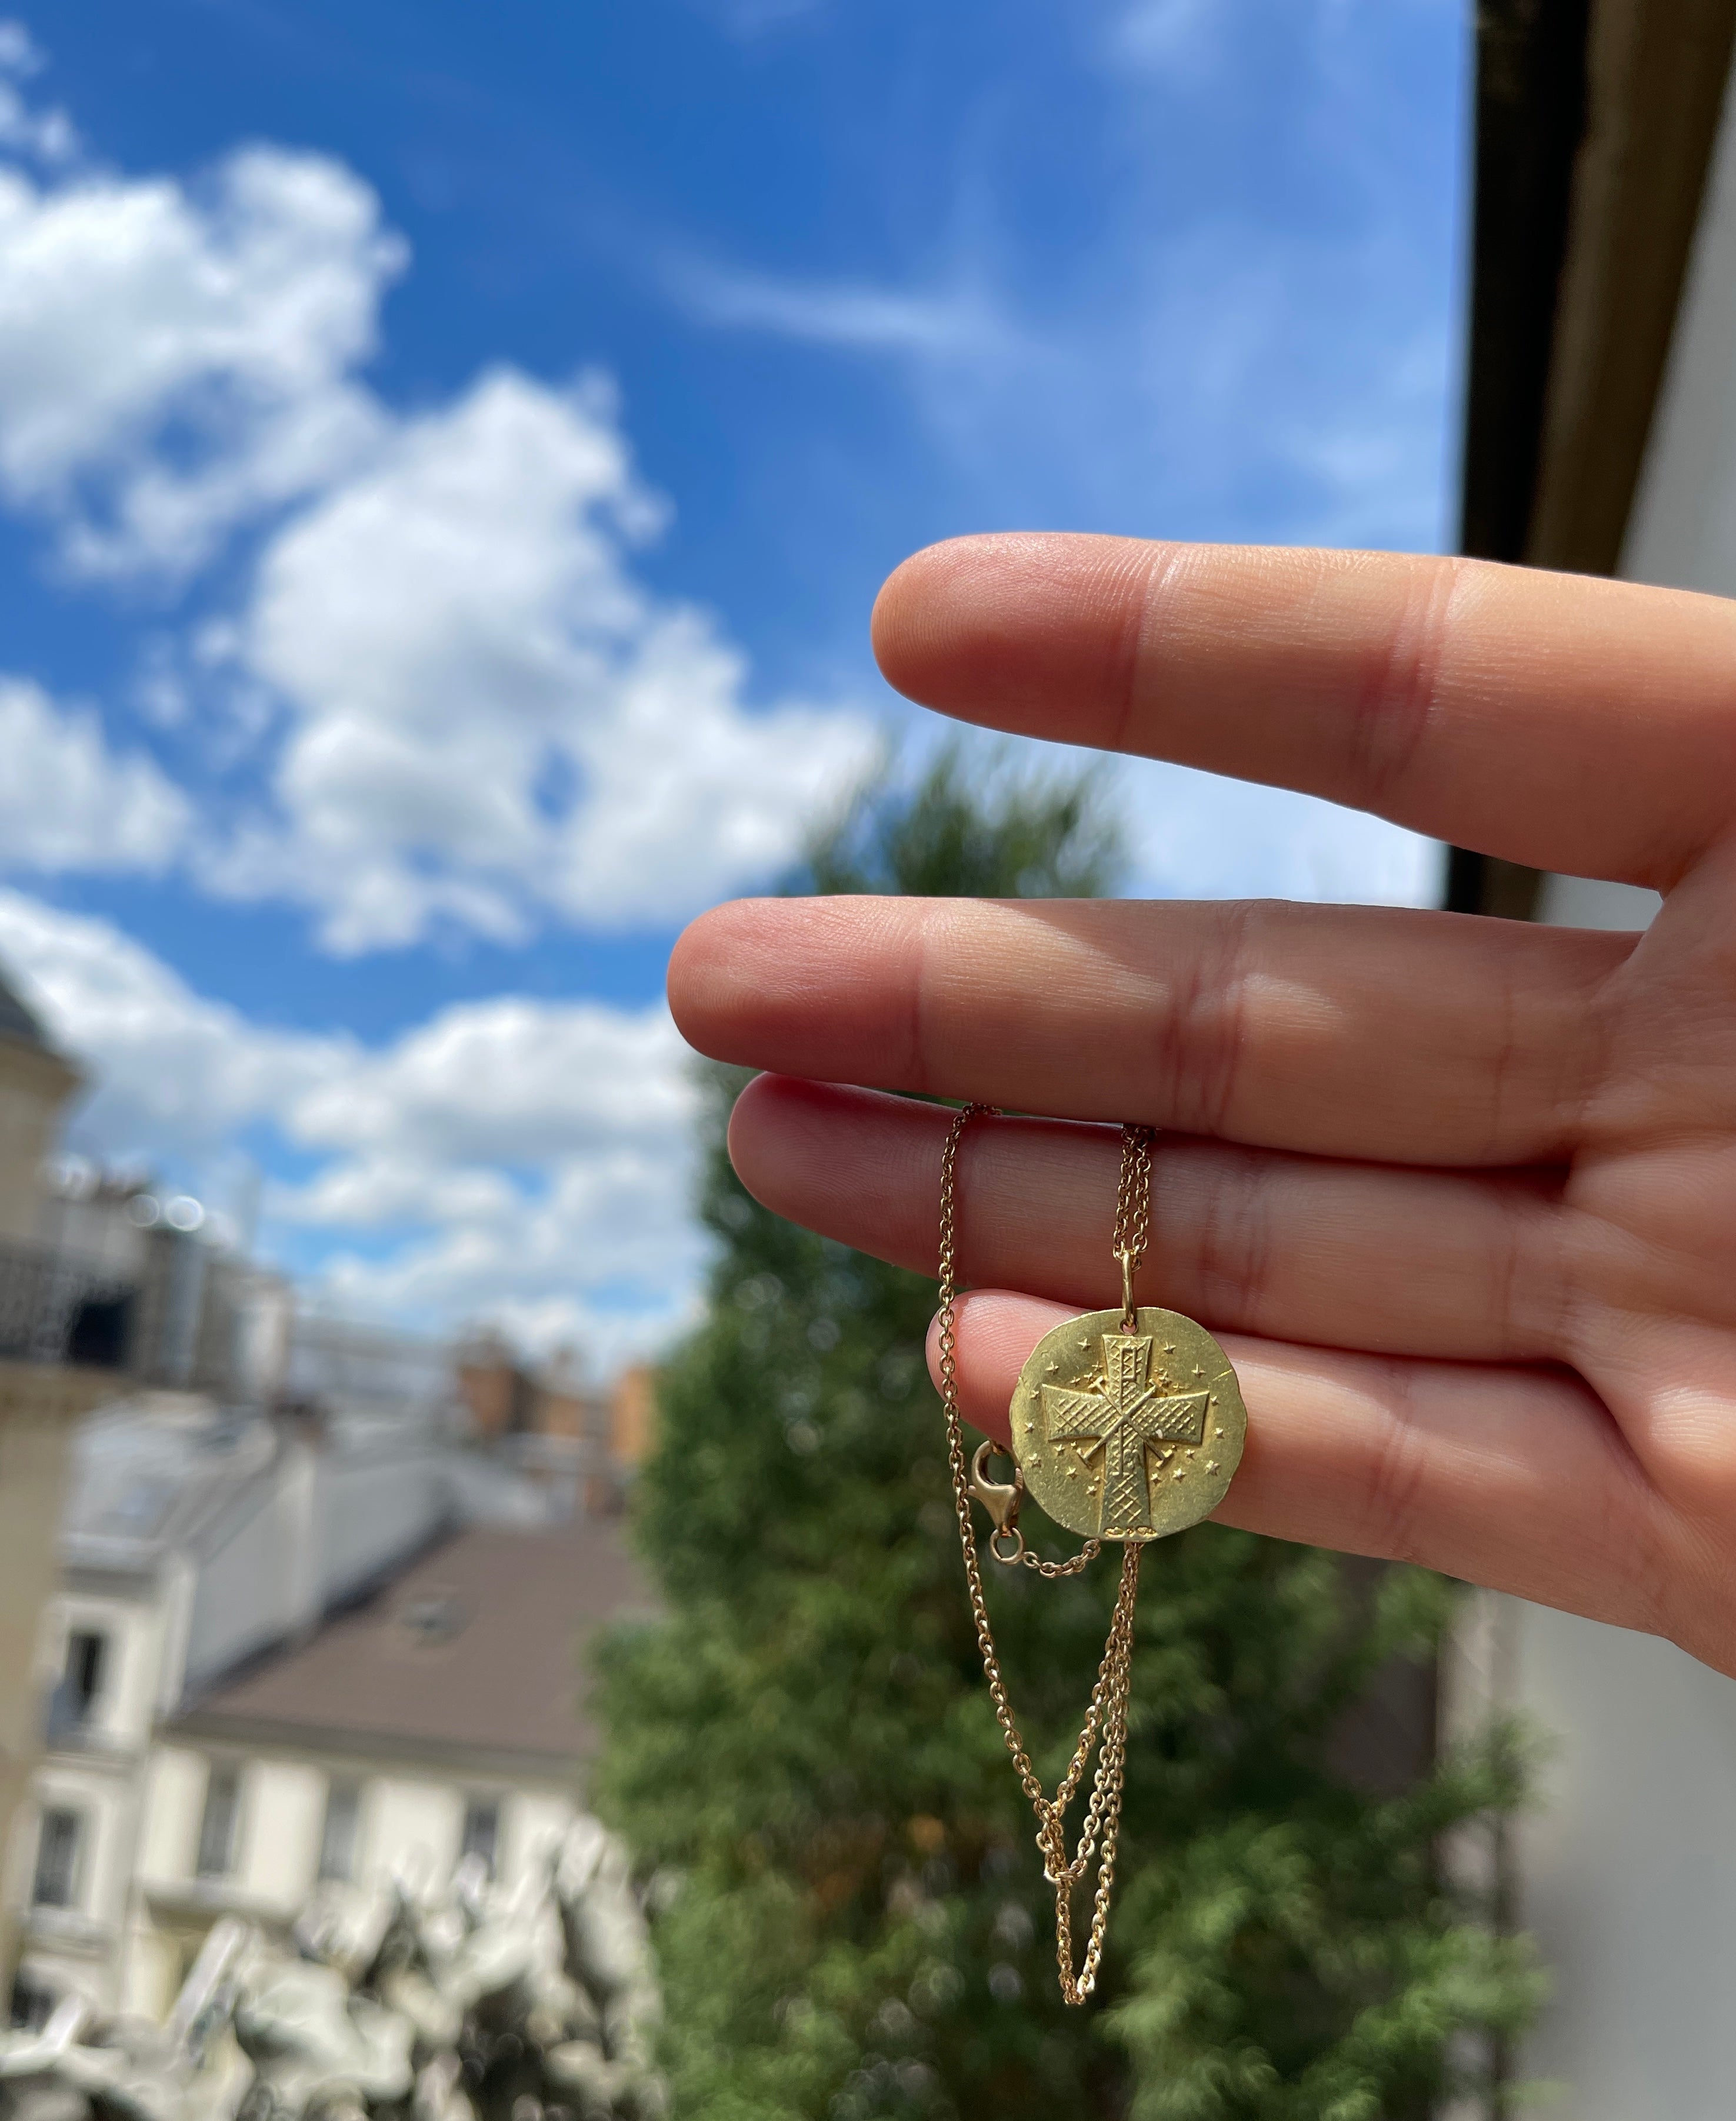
(604, 1251)
(458, 705)
(41, 136)
(173, 1070)
(68, 802)
(508, 1080)
(519, 1160)
(175, 359)
(489, 717)
(542, 1152)
(941, 322)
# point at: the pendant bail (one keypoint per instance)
(1129, 1311)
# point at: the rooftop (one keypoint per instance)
(472, 1654)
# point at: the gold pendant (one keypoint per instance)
(1128, 1434)
(1126, 1424)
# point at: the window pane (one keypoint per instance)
(217, 1828)
(33, 2004)
(57, 1859)
(80, 1683)
(482, 1830)
(87, 1654)
(337, 1842)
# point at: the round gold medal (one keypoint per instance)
(1127, 1435)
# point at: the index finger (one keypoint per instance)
(1572, 723)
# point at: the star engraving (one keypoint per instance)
(1118, 1412)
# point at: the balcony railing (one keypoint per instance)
(56, 1306)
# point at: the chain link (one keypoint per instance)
(1106, 1720)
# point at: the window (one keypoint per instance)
(57, 1857)
(217, 1826)
(74, 1706)
(338, 1838)
(33, 2004)
(481, 1830)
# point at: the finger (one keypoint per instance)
(1515, 1479)
(1351, 1031)
(1575, 724)
(1410, 1262)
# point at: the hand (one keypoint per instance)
(1458, 1195)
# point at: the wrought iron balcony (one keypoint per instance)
(56, 1306)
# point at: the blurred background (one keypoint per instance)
(446, 461)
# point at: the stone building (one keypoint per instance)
(283, 1645)
(442, 1716)
(55, 1355)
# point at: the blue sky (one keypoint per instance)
(446, 460)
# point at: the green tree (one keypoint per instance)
(803, 1745)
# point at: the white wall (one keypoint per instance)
(1627, 1869)
(283, 1812)
(1683, 532)
(174, 1797)
(1627, 1874)
(410, 1826)
(246, 1593)
(330, 1521)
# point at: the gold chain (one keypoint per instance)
(1106, 1719)
(1133, 1212)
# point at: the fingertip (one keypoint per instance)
(928, 599)
(784, 1145)
(754, 1134)
(707, 980)
(1004, 626)
(913, 600)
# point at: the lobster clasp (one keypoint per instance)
(1001, 1500)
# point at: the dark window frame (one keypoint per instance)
(61, 1831)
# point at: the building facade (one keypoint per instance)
(440, 1718)
(192, 1537)
(277, 1654)
(56, 1349)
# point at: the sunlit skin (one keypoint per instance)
(1458, 1195)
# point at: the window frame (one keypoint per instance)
(76, 1818)
(479, 1805)
(342, 1796)
(220, 1773)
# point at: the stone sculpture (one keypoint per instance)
(469, 2003)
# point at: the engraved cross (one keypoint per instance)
(1122, 1416)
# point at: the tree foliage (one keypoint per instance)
(803, 1745)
